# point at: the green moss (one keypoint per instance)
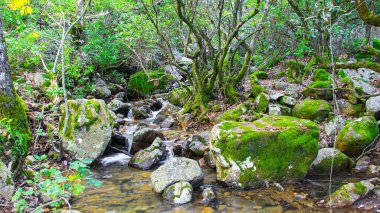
(81, 114)
(376, 43)
(178, 96)
(316, 110)
(360, 189)
(145, 83)
(262, 101)
(260, 74)
(233, 114)
(321, 75)
(13, 111)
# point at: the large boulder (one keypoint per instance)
(6, 182)
(175, 170)
(316, 110)
(149, 157)
(322, 164)
(179, 193)
(143, 138)
(362, 80)
(274, 148)
(373, 106)
(347, 194)
(89, 128)
(357, 135)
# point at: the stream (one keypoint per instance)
(126, 189)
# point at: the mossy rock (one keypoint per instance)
(350, 109)
(321, 75)
(178, 193)
(319, 90)
(178, 96)
(149, 157)
(260, 74)
(144, 83)
(347, 194)
(274, 148)
(233, 114)
(316, 110)
(295, 70)
(89, 128)
(357, 135)
(256, 88)
(322, 164)
(262, 101)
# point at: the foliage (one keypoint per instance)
(8, 134)
(56, 185)
(145, 83)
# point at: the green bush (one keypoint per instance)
(144, 83)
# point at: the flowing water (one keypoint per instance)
(126, 189)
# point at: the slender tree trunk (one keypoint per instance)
(12, 109)
(5, 74)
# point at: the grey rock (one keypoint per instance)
(347, 194)
(175, 170)
(362, 164)
(338, 122)
(6, 182)
(141, 112)
(143, 138)
(373, 107)
(149, 157)
(118, 106)
(288, 101)
(179, 193)
(322, 164)
(168, 122)
(277, 109)
(119, 96)
(101, 90)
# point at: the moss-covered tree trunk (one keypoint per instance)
(366, 14)
(12, 112)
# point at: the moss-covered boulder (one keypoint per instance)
(316, 110)
(322, 164)
(149, 157)
(274, 148)
(145, 82)
(357, 135)
(6, 182)
(178, 96)
(178, 193)
(261, 102)
(89, 128)
(319, 90)
(233, 114)
(321, 75)
(347, 194)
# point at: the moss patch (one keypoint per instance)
(321, 75)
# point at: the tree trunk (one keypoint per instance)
(12, 112)
(366, 14)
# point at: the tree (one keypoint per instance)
(366, 14)
(216, 35)
(12, 111)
